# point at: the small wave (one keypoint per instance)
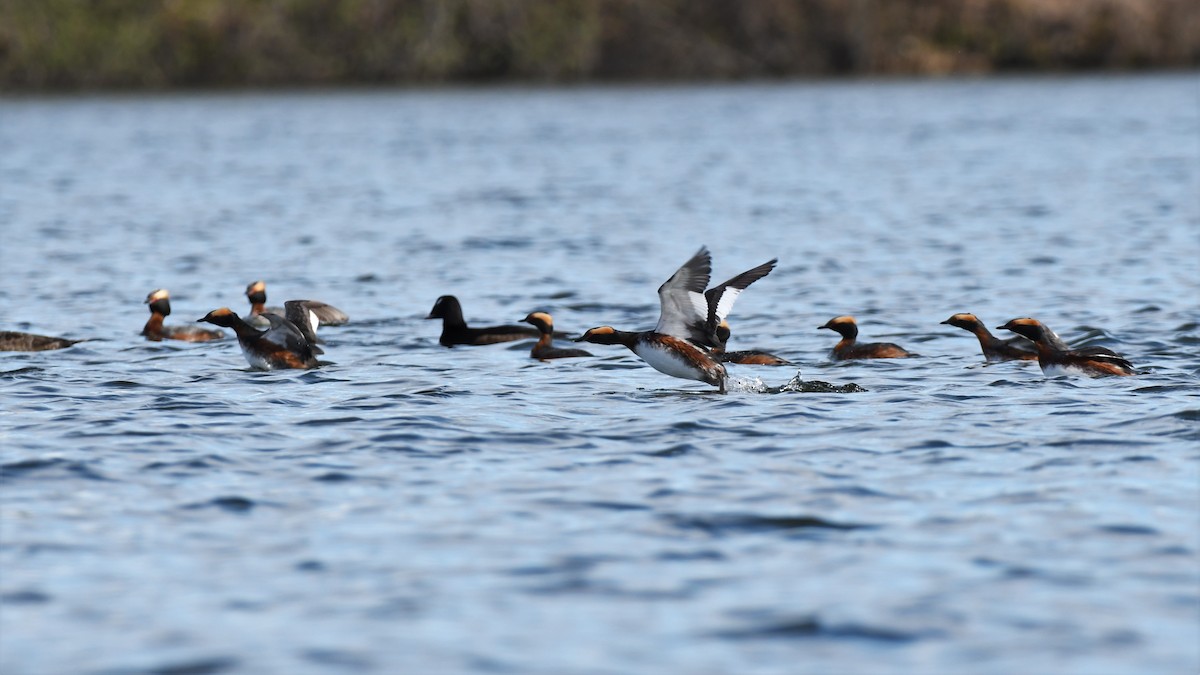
(570, 564)
(26, 597)
(691, 556)
(121, 384)
(75, 469)
(27, 370)
(856, 491)
(328, 421)
(720, 524)
(179, 467)
(201, 666)
(812, 627)
(1128, 529)
(491, 243)
(673, 451)
(232, 504)
(337, 658)
(598, 504)
(930, 444)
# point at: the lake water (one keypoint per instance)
(410, 508)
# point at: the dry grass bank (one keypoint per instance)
(65, 44)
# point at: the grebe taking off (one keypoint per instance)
(280, 346)
(687, 323)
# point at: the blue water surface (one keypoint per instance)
(411, 508)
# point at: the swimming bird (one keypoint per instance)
(545, 350)
(680, 343)
(1056, 358)
(280, 346)
(456, 332)
(749, 357)
(160, 308)
(994, 349)
(13, 341)
(847, 348)
(256, 292)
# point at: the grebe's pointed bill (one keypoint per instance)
(681, 298)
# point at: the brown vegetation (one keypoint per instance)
(165, 43)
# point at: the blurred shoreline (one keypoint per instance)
(69, 45)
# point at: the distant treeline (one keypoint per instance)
(64, 44)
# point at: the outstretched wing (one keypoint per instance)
(285, 334)
(327, 315)
(719, 299)
(682, 297)
(305, 320)
(301, 313)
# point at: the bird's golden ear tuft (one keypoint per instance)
(540, 316)
(256, 287)
(224, 311)
(160, 294)
(841, 320)
(1024, 322)
(602, 330)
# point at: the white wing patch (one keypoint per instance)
(681, 298)
(725, 303)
